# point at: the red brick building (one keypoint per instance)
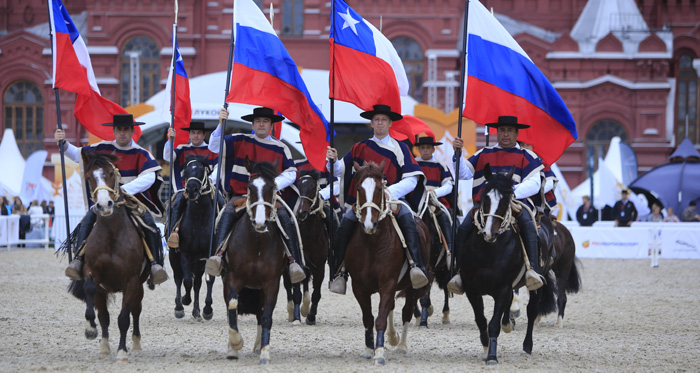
(628, 70)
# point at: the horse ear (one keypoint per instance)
(511, 172)
(382, 165)
(355, 166)
(487, 172)
(248, 164)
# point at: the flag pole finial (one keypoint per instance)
(272, 16)
(380, 22)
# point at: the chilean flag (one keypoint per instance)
(264, 74)
(72, 71)
(502, 80)
(183, 108)
(367, 69)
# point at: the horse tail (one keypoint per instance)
(548, 301)
(573, 284)
(76, 288)
(249, 301)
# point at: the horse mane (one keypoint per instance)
(499, 181)
(99, 159)
(265, 169)
(369, 169)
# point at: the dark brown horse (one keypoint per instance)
(492, 263)
(114, 258)
(565, 267)
(254, 261)
(188, 259)
(376, 263)
(310, 214)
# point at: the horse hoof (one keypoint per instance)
(367, 353)
(232, 354)
(507, 328)
(310, 320)
(430, 310)
(122, 357)
(305, 304)
(296, 323)
(401, 350)
(91, 333)
(264, 362)
(446, 322)
(379, 362)
(515, 314)
(208, 316)
(492, 362)
(179, 314)
(423, 325)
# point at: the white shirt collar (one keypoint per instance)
(386, 140)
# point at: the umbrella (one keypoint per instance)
(675, 184)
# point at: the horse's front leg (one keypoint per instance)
(296, 298)
(425, 306)
(306, 299)
(270, 300)
(316, 295)
(406, 313)
(136, 307)
(289, 289)
(532, 313)
(89, 287)
(174, 258)
(477, 303)
(386, 305)
(446, 308)
(235, 340)
(187, 278)
(208, 310)
(502, 301)
(365, 302)
(197, 285)
(131, 303)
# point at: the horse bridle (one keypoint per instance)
(507, 220)
(115, 190)
(272, 205)
(383, 209)
(205, 186)
(313, 200)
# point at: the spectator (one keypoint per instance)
(655, 215)
(18, 207)
(43, 206)
(624, 212)
(690, 214)
(51, 210)
(586, 214)
(35, 209)
(670, 216)
(4, 207)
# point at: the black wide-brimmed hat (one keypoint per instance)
(427, 140)
(263, 112)
(123, 120)
(381, 109)
(508, 120)
(196, 126)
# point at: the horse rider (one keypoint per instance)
(257, 147)
(545, 199)
(439, 183)
(402, 175)
(506, 154)
(140, 178)
(197, 147)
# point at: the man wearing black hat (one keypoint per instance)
(196, 147)
(139, 177)
(439, 183)
(258, 147)
(527, 177)
(624, 212)
(401, 181)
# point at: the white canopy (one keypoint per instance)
(13, 165)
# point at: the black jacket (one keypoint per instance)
(586, 217)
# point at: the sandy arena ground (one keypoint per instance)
(629, 317)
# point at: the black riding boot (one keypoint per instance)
(419, 275)
(223, 228)
(533, 280)
(74, 271)
(342, 237)
(174, 215)
(446, 228)
(463, 232)
(296, 273)
(155, 244)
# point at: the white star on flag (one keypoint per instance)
(349, 21)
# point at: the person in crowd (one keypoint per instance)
(402, 177)
(44, 206)
(4, 206)
(690, 214)
(671, 217)
(624, 212)
(656, 216)
(35, 208)
(18, 207)
(586, 214)
(139, 177)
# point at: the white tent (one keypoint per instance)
(207, 98)
(13, 165)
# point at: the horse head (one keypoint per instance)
(262, 192)
(196, 174)
(103, 179)
(494, 213)
(308, 194)
(371, 205)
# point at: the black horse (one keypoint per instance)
(493, 262)
(565, 266)
(189, 258)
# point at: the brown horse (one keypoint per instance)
(114, 258)
(310, 214)
(254, 261)
(374, 260)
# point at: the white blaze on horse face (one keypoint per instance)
(368, 186)
(494, 198)
(259, 183)
(103, 198)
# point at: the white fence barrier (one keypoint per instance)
(37, 235)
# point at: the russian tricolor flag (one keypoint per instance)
(367, 70)
(72, 71)
(502, 80)
(264, 74)
(183, 107)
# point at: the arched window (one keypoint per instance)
(140, 70)
(688, 101)
(292, 17)
(23, 105)
(599, 136)
(412, 56)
